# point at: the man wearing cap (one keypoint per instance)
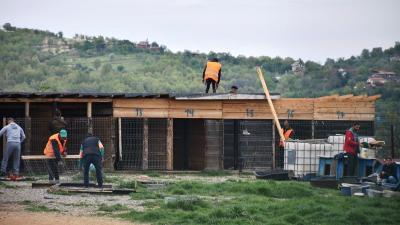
(234, 90)
(55, 147)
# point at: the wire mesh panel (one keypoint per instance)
(388, 130)
(325, 128)
(302, 130)
(230, 156)
(180, 143)
(77, 131)
(40, 133)
(102, 128)
(255, 144)
(66, 169)
(131, 143)
(157, 144)
(214, 143)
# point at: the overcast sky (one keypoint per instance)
(304, 29)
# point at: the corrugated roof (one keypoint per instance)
(202, 96)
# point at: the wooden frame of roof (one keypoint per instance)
(219, 106)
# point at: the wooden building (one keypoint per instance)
(196, 132)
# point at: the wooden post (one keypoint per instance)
(119, 139)
(89, 109)
(112, 143)
(312, 129)
(27, 130)
(26, 109)
(145, 156)
(170, 143)
(273, 146)
(89, 116)
(271, 106)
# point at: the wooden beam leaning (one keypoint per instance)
(264, 85)
(35, 157)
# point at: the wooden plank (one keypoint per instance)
(35, 157)
(145, 162)
(170, 142)
(334, 116)
(333, 104)
(271, 105)
(374, 97)
(346, 110)
(195, 113)
(141, 103)
(215, 105)
(71, 100)
(140, 113)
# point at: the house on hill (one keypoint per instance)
(143, 44)
(298, 68)
(381, 77)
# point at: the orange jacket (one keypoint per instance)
(286, 135)
(212, 71)
(48, 150)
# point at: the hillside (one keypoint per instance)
(35, 60)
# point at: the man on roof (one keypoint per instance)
(212, 74)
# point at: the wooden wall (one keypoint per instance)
(347, 107)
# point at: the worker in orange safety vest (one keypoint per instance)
(212, 74)
(288, 133)
(55, 147)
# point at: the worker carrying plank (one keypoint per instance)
(55, 147)
(92, 152)
(212, 74)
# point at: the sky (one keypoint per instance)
(306, 29)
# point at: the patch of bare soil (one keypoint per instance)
(16, 215)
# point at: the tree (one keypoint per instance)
(365, 54)
(154, 45)
(8, 27)
(60, 34)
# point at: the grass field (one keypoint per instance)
(259, 202)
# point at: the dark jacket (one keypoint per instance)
(57, 124)
(92, 146)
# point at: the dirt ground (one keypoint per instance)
(16, 215)
(18, 199)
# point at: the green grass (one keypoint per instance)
(112, 208)
(5, 185)
(40, 208)
(261, 202)
(215, 173)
